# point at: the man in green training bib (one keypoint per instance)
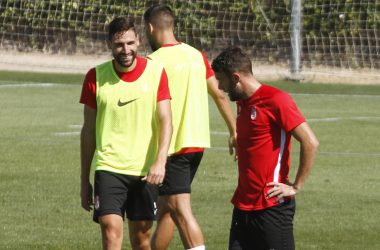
(190, 79)
(127, 126)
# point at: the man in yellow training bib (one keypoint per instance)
(190, 78)
(127, 125)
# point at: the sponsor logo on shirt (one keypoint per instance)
(194, 65)
(121, 104)
(253, 113)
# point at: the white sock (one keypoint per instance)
(198, 248)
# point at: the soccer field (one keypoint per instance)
(41, 118)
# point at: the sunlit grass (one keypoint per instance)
(338, 208)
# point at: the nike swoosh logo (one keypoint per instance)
(121, 104)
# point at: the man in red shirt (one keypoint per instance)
(266, 120)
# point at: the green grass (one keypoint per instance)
(40, 77)
(338, 208)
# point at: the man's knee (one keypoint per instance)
(139, 234)
(140, 243)
(112, 230)
(112, 238)
(179, 204)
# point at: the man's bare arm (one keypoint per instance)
(225, 110)
(308, 149)
(157, 171)
(87, 145)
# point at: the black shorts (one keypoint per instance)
(120, 194)
(270, 228)
(180, 172)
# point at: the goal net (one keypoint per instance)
(338, 34)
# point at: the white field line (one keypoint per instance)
(218, 133)
(67, 133)
(212, 148)
(349, 154)
(36, 139)
(295, 152)
(17, 84)
(78, 133)
(80, 126)
(336, 95)
(333, 119)
(75, 126)
(34, 84)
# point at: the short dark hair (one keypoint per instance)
(231, 60)
(120, 25)
(161, 16)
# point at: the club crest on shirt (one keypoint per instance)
(96, 202)
(253, 113)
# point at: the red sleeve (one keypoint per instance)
(163, 90)
(88, 95)
(286, 112)
(209, 71)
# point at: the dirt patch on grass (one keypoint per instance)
(80, 64)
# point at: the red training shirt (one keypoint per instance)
(264, 123)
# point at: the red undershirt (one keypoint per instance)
(88, 96)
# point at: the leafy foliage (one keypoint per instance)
(342, 32)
